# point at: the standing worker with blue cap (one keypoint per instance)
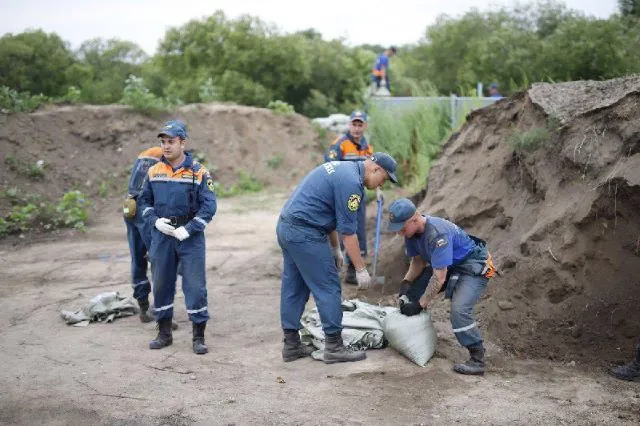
(324, 203)
(353, 146)
(179, 200)
(443, 257)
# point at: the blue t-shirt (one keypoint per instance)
(442, 244)
(328, 197)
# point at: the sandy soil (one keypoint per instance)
(105, 374)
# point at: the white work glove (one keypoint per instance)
(181, 233)
(363, 278)
(162, 225)
(339, 257)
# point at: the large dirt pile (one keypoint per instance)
(563, 221)
(92, 148)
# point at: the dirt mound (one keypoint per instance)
(562, 220)
(92, 148)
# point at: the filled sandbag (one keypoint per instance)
(414, 337)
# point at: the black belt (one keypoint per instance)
(180, 220)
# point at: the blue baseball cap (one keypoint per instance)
(493, 85)
(173, 129)
(358, 115)
(400, 211)
(386, 162)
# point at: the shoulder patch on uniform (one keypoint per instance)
(441, 242)
(354, 202)
(332, 155)
(210, 185)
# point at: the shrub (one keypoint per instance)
(280, 107)
(529, 141)
(12, 101)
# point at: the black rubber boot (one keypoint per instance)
(335, 351)
(350, 277)
(629, 372)
(199, 348)
(475, 365)
(164, 337)
(293, 348)
(145, 315)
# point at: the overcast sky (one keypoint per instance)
(145, 21)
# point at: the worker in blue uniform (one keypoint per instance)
(324, 204)
(443, 257)
(353, 146)
(179, 200)
(139, 230)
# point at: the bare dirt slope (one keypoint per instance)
(563, 221)
(92, 148)
(104, 374)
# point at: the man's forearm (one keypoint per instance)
(352, 246)
(433, 288)
(415, 269)
(333, 239)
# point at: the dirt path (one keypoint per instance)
(104, 374)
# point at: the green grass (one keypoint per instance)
(247, 183)
(530, 140)
(276, 160)
(413, 136)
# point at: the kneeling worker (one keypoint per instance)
(443, 257)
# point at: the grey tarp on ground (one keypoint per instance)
(364, 325)
(104, 307)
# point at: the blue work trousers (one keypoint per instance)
(139, 238)
(309, 268)
(464, 291)
(166, 252)
(361, 231)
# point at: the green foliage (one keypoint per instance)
(247, 183)
(529, 141)
(137, 96)
(35, 62)
(280, 107)
(276, 161)
(29, 213)
(629, 8)
(414, 137)
(208, 91)
(31, 170)
(11, 101)
(73, 95)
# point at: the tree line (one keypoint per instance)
(251, 62)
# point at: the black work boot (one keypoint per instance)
(475, 365)
(335, 351)
(293, 348)
(629, 372)
(145, 315)
(199, 348)
(164, 337)
(350, 277)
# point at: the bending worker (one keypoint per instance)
(324, 203)
(443, 257)
(353, 146)
(179, 200)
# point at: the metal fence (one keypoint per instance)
(455, 107)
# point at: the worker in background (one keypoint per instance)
(380, 71)
(353, 146)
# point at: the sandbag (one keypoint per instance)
(414, 337)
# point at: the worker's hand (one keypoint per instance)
(162, 225)
(363, 278)
(404, 288)
(409, 308)
(181, 233)
(338, 257)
